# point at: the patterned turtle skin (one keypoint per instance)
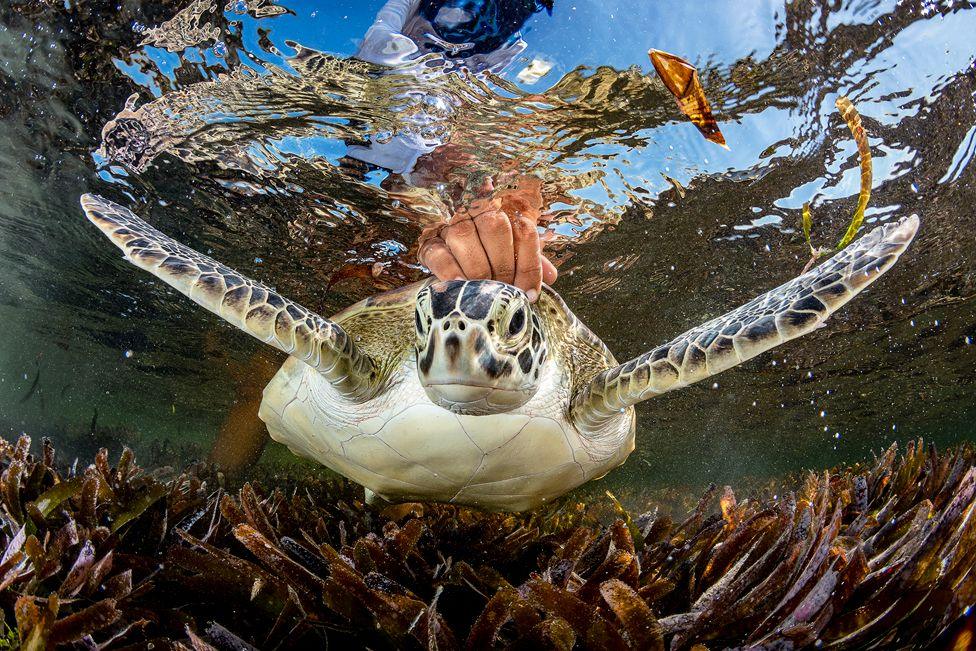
(464, 391)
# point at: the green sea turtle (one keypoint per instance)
(464, 391)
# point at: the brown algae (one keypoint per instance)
(109, 556)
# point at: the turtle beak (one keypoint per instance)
(461, 371)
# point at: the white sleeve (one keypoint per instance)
(496, 60)
(384, 42)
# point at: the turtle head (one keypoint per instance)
(480, 346)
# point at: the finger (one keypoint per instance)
(437, 257)
(528, 260)
(495, 233)
(462, 239)
(549, 271)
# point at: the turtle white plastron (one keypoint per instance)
(463, 391)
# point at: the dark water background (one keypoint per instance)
(232, 143)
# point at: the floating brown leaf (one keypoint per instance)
(681, 80)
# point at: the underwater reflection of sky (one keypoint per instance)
(713, 35)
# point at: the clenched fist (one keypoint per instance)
(495, 237)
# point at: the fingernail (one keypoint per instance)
(532, 294)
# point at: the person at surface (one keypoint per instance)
(495, 236)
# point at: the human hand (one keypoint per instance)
(495, 237)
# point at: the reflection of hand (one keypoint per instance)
(494, 237)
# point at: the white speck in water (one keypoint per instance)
(128, 354)
(912, 323)
(774, 362)
(672, 267)
(809, 374)
(836, 435)
(258, 260)
(936, 323)
(902, 301)
(968, 340)
(823, 414)
(767, 248)
(715, 385)
(753, 403)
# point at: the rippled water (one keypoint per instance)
(229, 127)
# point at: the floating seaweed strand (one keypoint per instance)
(853, 120)
(111, 557)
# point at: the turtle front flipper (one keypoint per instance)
(785, 313)
(251, 306)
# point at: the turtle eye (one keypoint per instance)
(517, 322)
